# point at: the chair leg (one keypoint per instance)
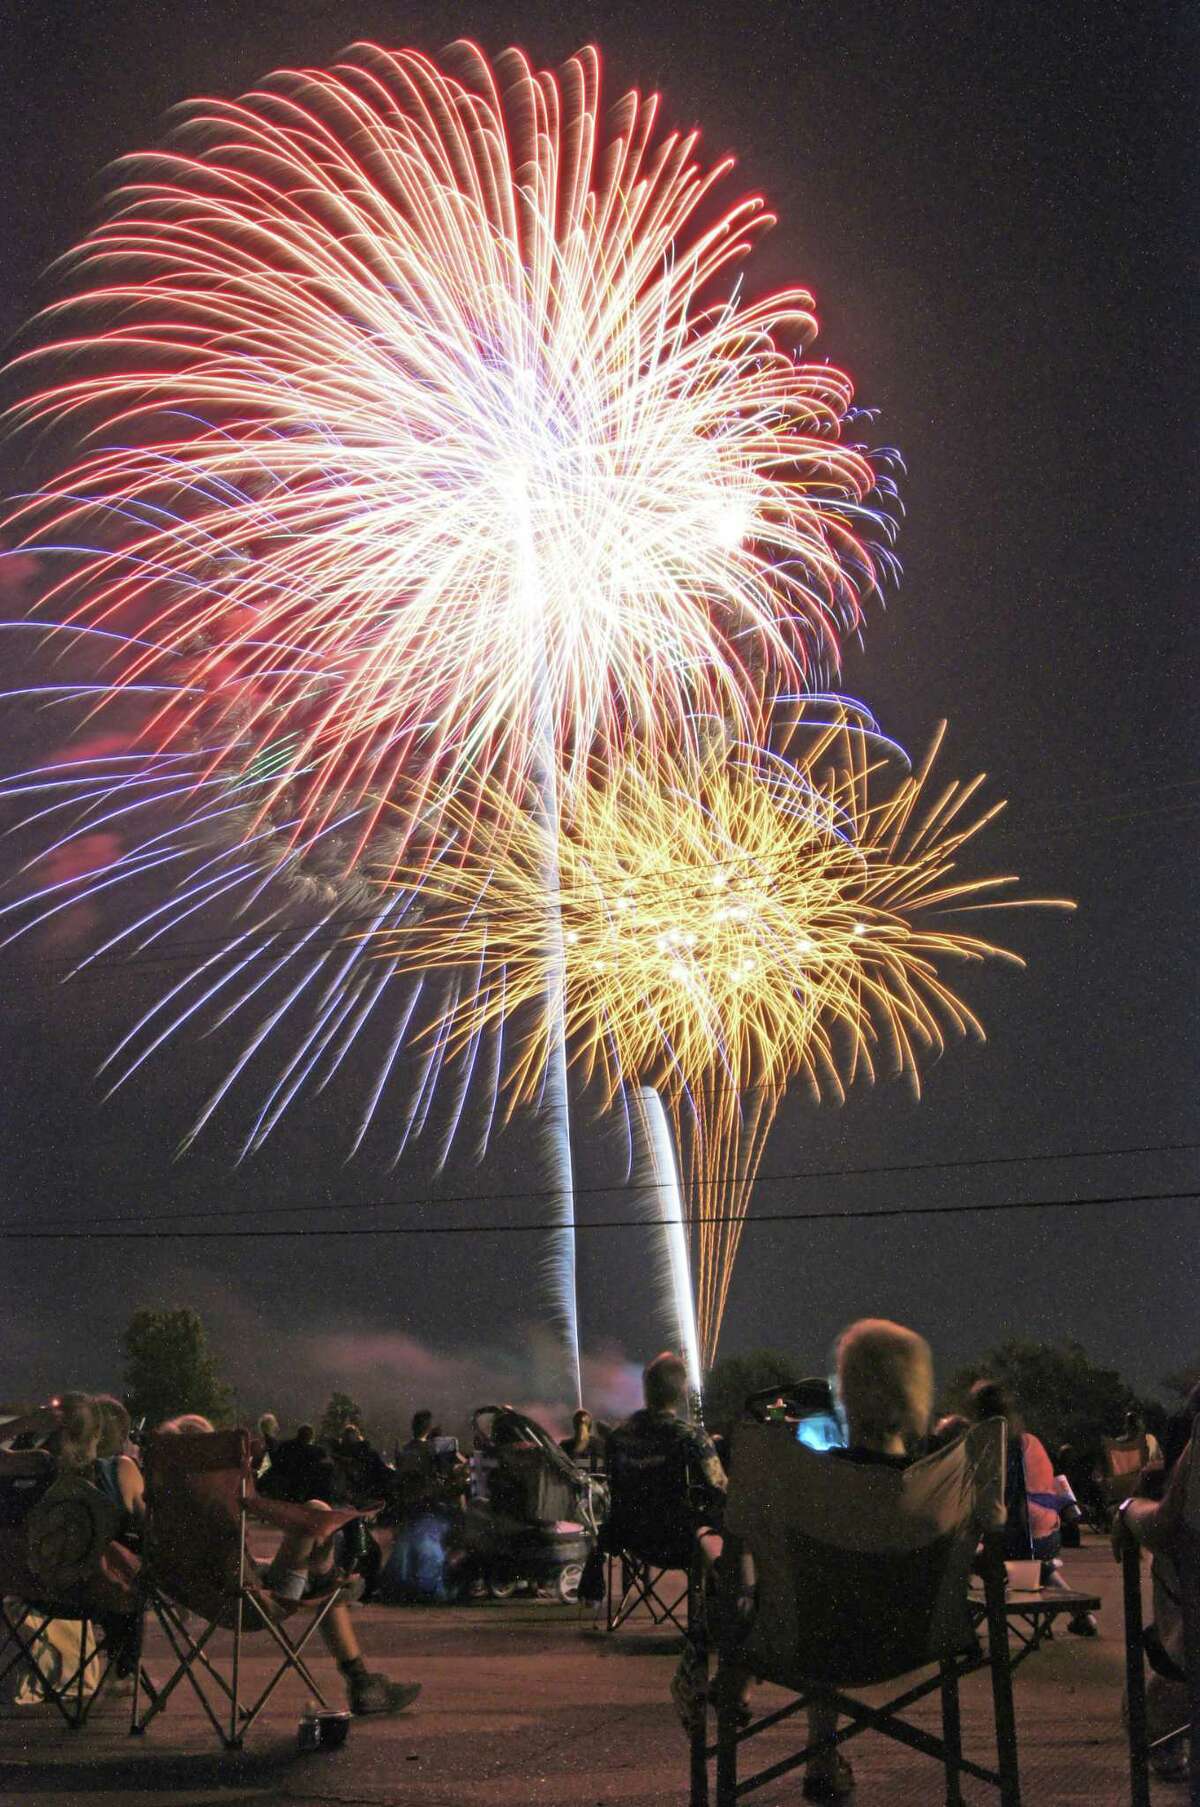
(1002, 1700)
(727, 1749)
(1135, 1679)
(952, 1732)
(139, 1638)
(234, 1741)
(697, 1634)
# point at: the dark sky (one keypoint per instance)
(990, 205)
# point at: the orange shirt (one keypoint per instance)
(1039, 1478)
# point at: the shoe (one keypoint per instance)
(376, 1694)
(826, 1786)
(1171, 1764)
(1084, 1625)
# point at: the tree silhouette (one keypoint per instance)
(169, 1367)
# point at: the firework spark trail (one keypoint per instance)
(380, 299)
(655, 1157)
(761, 917)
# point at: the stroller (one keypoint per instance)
(533, 1521)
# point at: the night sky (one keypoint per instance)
(990, 205)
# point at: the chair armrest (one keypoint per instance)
(314, 1521)
(21, 1463)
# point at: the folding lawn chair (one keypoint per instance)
(1122, 1462)
(1177, 1574)
(59, 1562)
(862, 1576)
(200, 1496)
(649, 1533)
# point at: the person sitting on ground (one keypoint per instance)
(304, 1566)
(1035, 1503)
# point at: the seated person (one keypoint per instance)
(1035, 1504)
(586, 1444)
(115, 1471)
(668, 1485)
(1170, 1529)
(883, 1383)
(301, 1566)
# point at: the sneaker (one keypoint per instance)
(376, 1694)
(1084, 1625)
(1170, 1764)
(829, 1785)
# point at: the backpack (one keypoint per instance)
(68, 1534)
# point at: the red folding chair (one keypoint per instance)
(200, 1498)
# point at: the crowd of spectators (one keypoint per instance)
(88, 1436)
(883, 1388)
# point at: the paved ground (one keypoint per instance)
(527, 1706)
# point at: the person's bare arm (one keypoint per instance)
(1155, 1523)
(131, 1486)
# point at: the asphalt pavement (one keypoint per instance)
(527, 1703)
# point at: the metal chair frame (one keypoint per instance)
(642, 1583)
(886, 1719)
(231, 1717)
(24, 1627)
(1141, 1745)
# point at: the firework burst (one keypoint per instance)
(430, 435)
(727, 929)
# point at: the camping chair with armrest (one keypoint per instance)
(1177, 1571)
(60, 1561)
(650, 1532)
(862, 1576)
(1122, 1462)
(200, 1499)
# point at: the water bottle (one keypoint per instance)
(309, 1731)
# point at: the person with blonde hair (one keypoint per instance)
(883, 1386)
(883, 1378)
(78, 1437)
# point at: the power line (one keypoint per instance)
(611, 1223)
(527, 1197)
